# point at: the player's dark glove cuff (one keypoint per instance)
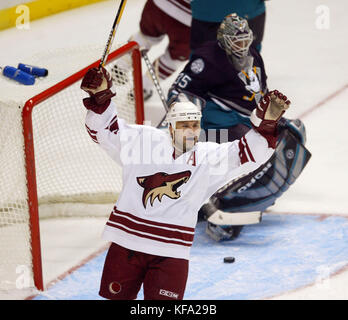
(98, 106)
(269, 132)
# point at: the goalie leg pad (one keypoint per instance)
(296, 127)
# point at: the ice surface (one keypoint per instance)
(299, 251)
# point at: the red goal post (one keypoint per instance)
(32, 196)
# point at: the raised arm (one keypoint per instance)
(255, 147)
(102, 122)
(264, 120)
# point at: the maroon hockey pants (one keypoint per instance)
(155, 23)
(126, 270)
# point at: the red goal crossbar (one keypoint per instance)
(131, 47)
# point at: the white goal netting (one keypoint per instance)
(73, 175)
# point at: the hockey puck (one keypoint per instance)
(229, 259)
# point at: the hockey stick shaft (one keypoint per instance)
(154, 78)
(162, 123)
(112, 33)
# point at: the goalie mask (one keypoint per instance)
(184, 119)
(235, 37)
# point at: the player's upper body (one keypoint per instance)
(178, 9)
(167, 177)
(215, 11)
(228, 71)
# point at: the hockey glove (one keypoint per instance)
(97, 83)
(265, 117)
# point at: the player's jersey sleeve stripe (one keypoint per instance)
(92, 134)
(245, 154)
(113, 125)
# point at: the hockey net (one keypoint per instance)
(49, 165)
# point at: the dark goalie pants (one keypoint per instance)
(125, 270)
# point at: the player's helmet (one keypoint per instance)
(235, 36)
(183, 111)
(183, 139)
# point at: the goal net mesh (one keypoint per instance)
(74, 176)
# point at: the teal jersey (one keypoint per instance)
(216, 10)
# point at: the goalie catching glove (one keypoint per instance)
(97, 83)
(265, 117)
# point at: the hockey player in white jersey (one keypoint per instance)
(166, 179)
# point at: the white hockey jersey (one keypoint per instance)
(157, 209)
(178, 9)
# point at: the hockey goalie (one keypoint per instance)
(229, 75)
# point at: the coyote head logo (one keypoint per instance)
(160, 184)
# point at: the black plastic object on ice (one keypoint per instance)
(229, 259)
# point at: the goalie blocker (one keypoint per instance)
(242, 202)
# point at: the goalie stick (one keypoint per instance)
(212, 214)
(155, 81)
(188, 96)
(112, 33)
(235, 219)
